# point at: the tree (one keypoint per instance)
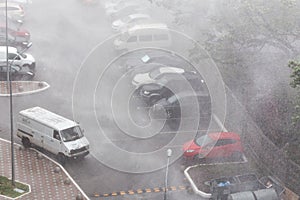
(295, 83)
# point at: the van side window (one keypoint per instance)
(146, 38)
(132, 39)
(56, 135)
(160, 37)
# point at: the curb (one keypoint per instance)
(60, 166)
(45, 84)
(194, 187)
(29, 187)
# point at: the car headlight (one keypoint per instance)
(146, 92)
(189, 150)
(87, 147)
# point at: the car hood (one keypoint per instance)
(142, 78)
(77, 144)
(190, 145)
(29, 57)
(23, 33)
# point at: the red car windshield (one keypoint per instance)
(203, 140)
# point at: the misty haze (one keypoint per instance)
(150, 99)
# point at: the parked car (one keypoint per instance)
(90, 2)
(16, 37)
(21, 2)
(170, 83)
(113, 3)
(17, 73)
(185, 104)
(144, 35)
(214, 145)
(124, 22)
(14, 11)
(155, 74)
(15, 31)
(121, 12)
(20, 59)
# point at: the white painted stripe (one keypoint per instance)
(219, 123)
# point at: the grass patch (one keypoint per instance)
(7, 189)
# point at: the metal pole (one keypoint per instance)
(169, 153)
(10, 103)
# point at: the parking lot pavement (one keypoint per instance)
(174, 195)
(47, 179)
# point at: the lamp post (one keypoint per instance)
(8, 80)
(169, 154)
(9, 64)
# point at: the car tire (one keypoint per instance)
(61, 159)
(26, 142)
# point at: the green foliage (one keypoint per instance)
(295, 83)
(295, 66)
(7, 189)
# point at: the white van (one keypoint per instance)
(24, 59)
(146, 35)
(52, 132)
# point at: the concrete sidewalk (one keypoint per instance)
(40, 172)
(22, 87)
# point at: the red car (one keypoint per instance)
(214, 145)
(15, 31)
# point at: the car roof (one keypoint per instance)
(148, 26)
(138, 15)
(10, 4)
(10, 49)
(224, 135)
(190, 94)
(171, 70)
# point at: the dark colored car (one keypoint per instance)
(184, 107)
(17, 73)
(169, 84)
(214, 145)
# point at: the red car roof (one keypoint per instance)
(224, 135)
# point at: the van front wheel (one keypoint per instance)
(61, 158)
(26, 142)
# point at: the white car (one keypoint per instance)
(14, 11)
(21, 2)
(20, 59)
(155, 74)
(121, 24)
(114, 3)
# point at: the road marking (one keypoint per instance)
(141, 191)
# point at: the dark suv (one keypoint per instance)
(169, 84)
(183, 104)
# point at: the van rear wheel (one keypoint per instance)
(26, 142)
(61, 158)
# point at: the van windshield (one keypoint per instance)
(71, 134)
